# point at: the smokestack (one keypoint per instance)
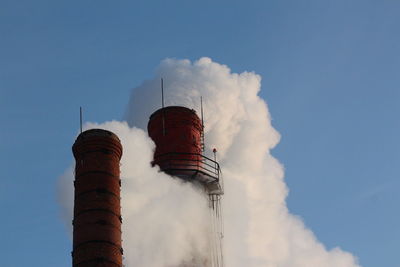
(97, 210)
(178, 134)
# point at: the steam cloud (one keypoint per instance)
(166, 220)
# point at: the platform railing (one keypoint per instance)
(176, 161)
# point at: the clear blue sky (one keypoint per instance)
(330, 76)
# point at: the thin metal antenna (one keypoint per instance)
(162, 104)
(215, 161)
(162, 92)
(80, 117)
(201, 107)
(202, 124)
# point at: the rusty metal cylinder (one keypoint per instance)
(176, 131)
(97, 210)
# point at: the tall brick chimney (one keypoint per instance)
(97, 210)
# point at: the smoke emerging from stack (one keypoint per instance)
(165, 221)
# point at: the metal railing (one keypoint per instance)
(176, 161)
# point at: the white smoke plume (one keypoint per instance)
(165, 220)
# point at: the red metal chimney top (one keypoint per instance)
(175, 129)
(177, 132)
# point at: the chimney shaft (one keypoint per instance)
(176, 131)
(97, 211)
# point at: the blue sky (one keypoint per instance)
(330, 77)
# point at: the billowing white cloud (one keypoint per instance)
(165, 220)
